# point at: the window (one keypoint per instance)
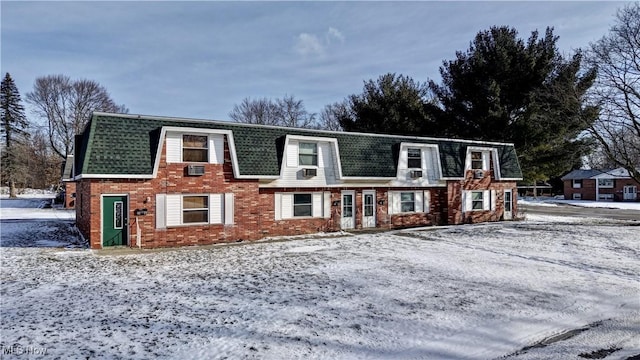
(308, 154)
(195, 209)
(577, 184)
(476, 160)
(414, 159)
(605, 183)
(605, 196)
(407, 202)
(368, 204)
(302, 205)
(195, 148)
(577, 196)
(477, 200)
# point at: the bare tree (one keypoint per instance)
(617, 90)
(281, 112)
(293, 114)
(260, 111)
(330, 116)
(67, 106)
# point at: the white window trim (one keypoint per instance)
(488, 200)
(488, 154)
(421, 198)
(606, 186)
(317, 156)
(288, 163)
(225, 214)
(576, 183)
(208, 208)
(208, 148)
(284, 205)
(403, 161)
(190, 130)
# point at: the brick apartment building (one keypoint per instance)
(600, 185)
(152, 181)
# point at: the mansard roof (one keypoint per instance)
(125, 145)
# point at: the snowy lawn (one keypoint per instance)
(477, 292)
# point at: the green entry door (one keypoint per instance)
(114, 220)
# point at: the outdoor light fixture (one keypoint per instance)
(336, 203)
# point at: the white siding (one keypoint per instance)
(161, 211)
(486, 200)
(287, 206)
(429, 166)
(278, 206)
(427, 201)
(334, 161)
(174, 210)
(229, 209)
(216, 208)
(467, 201)
(317, 207)
(216, 148)
(493, 200)
(292, 153)
(174, 147)
(419, 201)
(486, 156)
(327, 205)
(394, 202)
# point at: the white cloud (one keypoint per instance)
(310, 44)
(334, 33)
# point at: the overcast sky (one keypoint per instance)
(198, 59)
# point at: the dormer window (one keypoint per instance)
(476, 160)
(195, 148)
(308, 154)
(414, 158)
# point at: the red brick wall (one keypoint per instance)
(69, 193)
(454, 198)
(588, 189)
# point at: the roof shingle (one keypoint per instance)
(118, 144)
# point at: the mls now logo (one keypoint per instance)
(17, 350)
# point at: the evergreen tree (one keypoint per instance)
(14, 125)
(392, 105)
(505, 89)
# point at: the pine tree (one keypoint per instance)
(13, 130)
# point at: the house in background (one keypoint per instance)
(600, 185)
(156, 182)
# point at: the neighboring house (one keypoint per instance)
(69, 186)
(600, 185)
(154, 181)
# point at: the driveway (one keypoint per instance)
(578, 211)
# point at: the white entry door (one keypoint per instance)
(348, 216)
(508, 204)
(369, 209)
(630, 193)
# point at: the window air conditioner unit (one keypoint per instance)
(478, 174)
(309, 172)
(195, 170)
(415, 174)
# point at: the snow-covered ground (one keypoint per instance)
(500, 290)
(549, 201)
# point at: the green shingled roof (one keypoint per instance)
(114, 144)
